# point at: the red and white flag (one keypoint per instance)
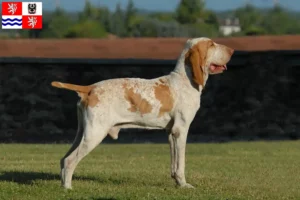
(22, 15)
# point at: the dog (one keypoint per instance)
(168, 102)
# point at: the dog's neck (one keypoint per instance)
(185, 71)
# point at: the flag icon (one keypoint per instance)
(22, 15)
(11, 22)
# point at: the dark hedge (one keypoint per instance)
(256, 100)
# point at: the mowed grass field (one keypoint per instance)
(241, 170)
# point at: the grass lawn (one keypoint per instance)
(242, 170)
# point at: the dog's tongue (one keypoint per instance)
(218, 68)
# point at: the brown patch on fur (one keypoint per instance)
(137, 103)
(196, 57)
(93, 97)
(90, 99)
(163, 94)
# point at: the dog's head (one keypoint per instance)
(31, 8)
(205, 57)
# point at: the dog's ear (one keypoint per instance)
(193, 59)
(196, 58)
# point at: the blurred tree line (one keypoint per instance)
(190, 19)
(274, 21)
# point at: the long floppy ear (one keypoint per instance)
(196, 57)
(193, 58)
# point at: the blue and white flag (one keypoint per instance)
(12, 22)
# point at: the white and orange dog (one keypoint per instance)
(168, 102)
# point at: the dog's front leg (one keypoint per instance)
(173, 155)
(179, 135)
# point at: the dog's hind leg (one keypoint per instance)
(76, 142)
(93, 134)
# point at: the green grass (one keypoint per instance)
(256, 170)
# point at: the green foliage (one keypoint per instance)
(254, 30)
(147, 28)
(196, 20)
(89, 12)
(202, 30)
(189, 11)
(86, 29)
(162, 16)
(57, 26)
(211, 18)
(190, 19)
(130, 15)
(104, 17)
(150, 27)
(117, 25)
(248, 16)
(276, 21)
(279, 22)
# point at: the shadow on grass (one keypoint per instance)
(28, 178)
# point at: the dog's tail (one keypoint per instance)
(76, 88)
(82, 91)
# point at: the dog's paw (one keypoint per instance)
(187, 185)
(67, 187)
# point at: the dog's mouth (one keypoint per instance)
(216, 69)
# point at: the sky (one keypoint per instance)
(166, 5)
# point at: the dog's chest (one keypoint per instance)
(187, 97)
